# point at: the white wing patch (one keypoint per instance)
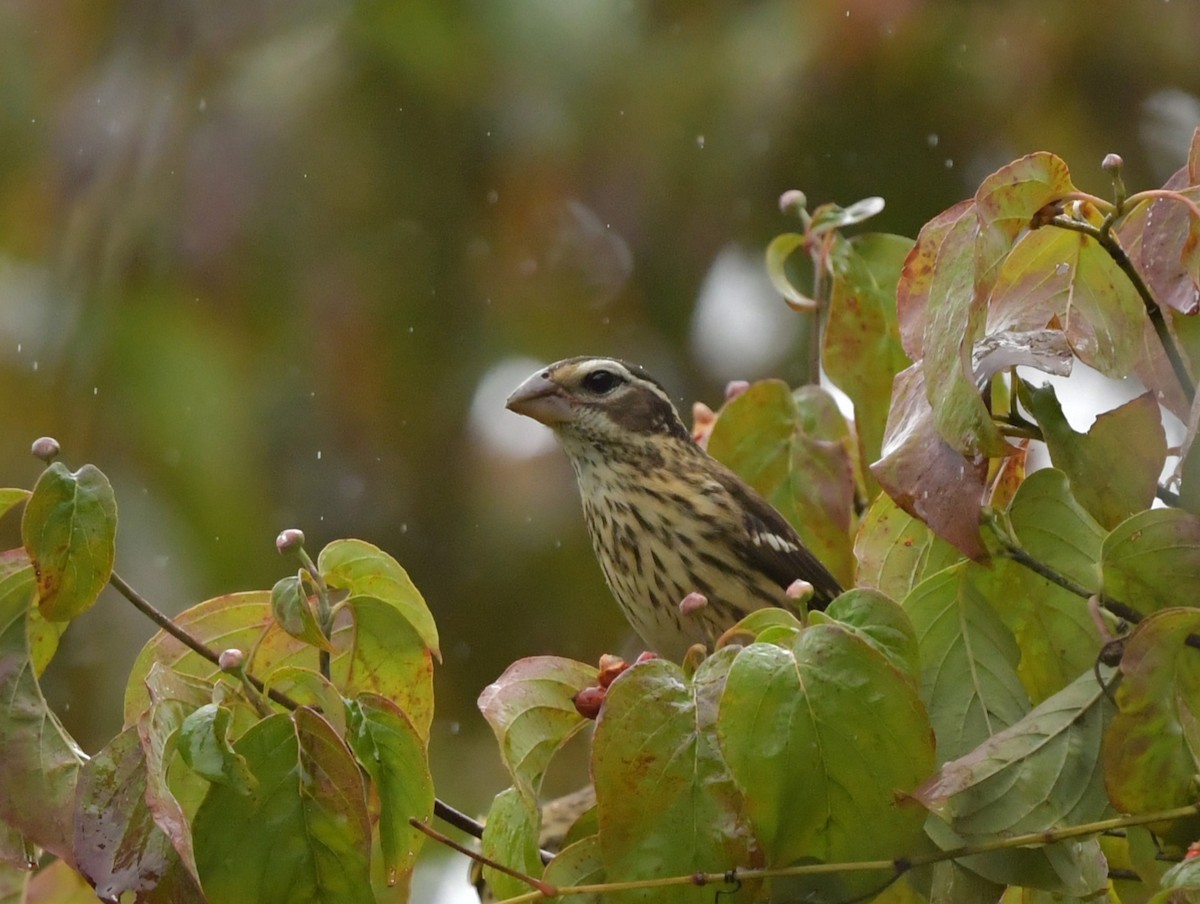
(775, 542)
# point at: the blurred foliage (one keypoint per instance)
(256, 258)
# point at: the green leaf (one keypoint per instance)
(666, 802)
(1152, 560)
(1153, 744)
(393, 753)
(895, 551)
(1114, 467)
(883, 624)
(39, 761)
(580, 863)
(825, 740)
(366, 570)
(380, 652)
(510, 836)
(204, 745)
(308, 687)
(531, 710)
(1007, 200)
(312, 799)
(118, 845)
(294, 613)
(70, 530)
(861, 353)
(779, 251)
(926, 476)
(10, 498)
(968, 662)
(792, 449)
(1055, 529)
(1041, 772)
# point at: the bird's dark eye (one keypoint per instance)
(601, 381)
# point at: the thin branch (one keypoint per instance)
(442, 810)
(196, 646)
(542, 888)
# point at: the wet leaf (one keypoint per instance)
(923, 474)
(510, 835)
(366, 570)
(311, 795)
(1041, 772)
(861, 350)
(666, 802)
(969, 661)
(896, 551)
(825, 739)
(39, 761)
(1152, 560)
(792, 448)
(1008, 200)
(531, 712)
(393, 753)
(69, 530)
(828, 217)
(883, 624)
(1159, 235)
(1153, 744)
(1058, 273)
(119, 847)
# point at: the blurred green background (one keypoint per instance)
(276, 263)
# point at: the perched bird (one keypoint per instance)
(667, 521)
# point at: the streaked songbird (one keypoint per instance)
(687, 547)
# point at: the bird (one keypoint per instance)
(686, 546)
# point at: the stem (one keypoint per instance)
(324, 609)
(1153, 310)
(1165, 194)
(147, 609)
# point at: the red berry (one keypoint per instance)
(587, 701)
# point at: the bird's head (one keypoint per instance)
(599, 402)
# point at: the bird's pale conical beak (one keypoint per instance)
(541, 399)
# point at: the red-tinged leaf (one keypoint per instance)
(294, 612)
(1152, 560)
(1060, 273)
(70, 530)
(531, 712)
(1160, 236)
(118, 846)
(862, 352)
(935, 263)
(923, 474)
(1114, 467)
(779, 251)
(666, 802)
(793, 449)
(366, 570)
(311, 796)
(969, 661)
(1042, 772)
(510, 837)
(393, 753)
(1008, 199)
(157, 731)
(39, 761)
(896, 551)
(825, 740)
(1153, 744)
